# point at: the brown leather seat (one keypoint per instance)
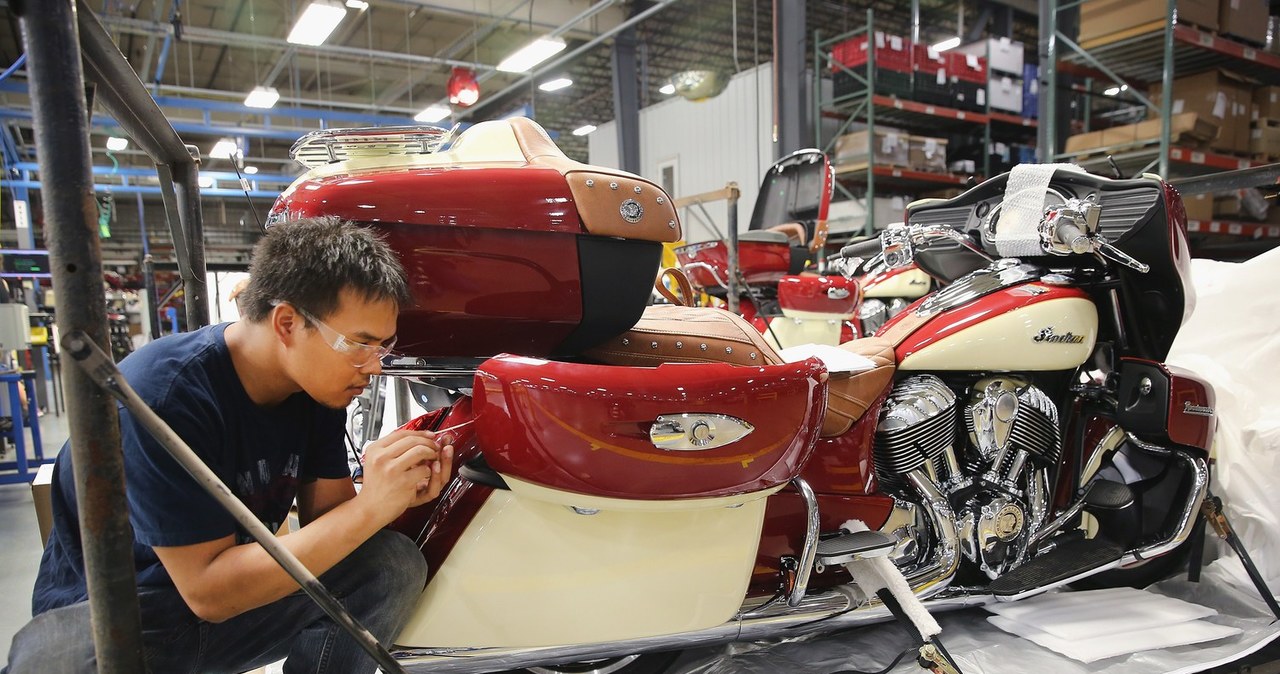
(677, 334)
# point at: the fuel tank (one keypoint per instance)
(999, 319)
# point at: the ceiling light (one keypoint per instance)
(1115, 90)
(250, 170)
(556, 84)
(584, 130)
(116, 143)
(432, 114)
(205, 181)
(949, 43)
(316, 22)
(262, 97)
(667, 89)
(223, 149)
(358, 5)
(532, 54)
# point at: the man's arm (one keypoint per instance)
(219, 579)
(319, 496)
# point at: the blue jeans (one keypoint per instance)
(379, 584)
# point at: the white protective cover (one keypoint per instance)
(1232, 340)
(1017, 231)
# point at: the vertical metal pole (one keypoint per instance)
(1166, 91)
(1046, 129)
(788, 76)
(22, 215)
(626, 100)
(820, 66)
(732, 202)
(62, 137)
(869, 226)
(915, 22)
(195, 288)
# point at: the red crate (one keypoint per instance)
(928, 61)
(892, 53)
(968, 67)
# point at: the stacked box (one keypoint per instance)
(1266, 103)
(888, 83)
(1244, 19)
(892, 52)
(1030, 90)
(932, 79)
(1005, 94)
(970, 83)
(1264, 140)
(1104, 21)
(1220, 97)
(926, 153)
(1002, 54)
(891, 148)
(1199, 206)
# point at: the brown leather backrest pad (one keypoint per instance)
(601, 194)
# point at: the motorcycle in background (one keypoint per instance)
(632, 480)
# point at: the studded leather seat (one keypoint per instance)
(677, 334)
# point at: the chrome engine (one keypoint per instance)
(995, 476)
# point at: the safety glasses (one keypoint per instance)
(357, 354)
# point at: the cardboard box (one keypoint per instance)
(1199, 207)
(42, 494)
(927, 154)
(1266, 103)
(1244, 204)
(1265, 140)
(1002, 54)
(850, 215)
(1187, 128)
(891, 148)
(1084, 141)
(1218, 96)
(1100, 19)
(1005, 93)
(1244, 19)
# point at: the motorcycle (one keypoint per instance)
(635, 480)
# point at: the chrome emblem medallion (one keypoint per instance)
(631, 210)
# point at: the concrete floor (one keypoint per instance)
(20, 554)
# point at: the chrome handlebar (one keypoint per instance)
(1070, 228)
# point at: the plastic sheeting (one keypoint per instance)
(1232, 339)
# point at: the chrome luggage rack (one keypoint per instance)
(334, 145)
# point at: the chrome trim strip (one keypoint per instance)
(812, 526)
(935, 576)
(829, 611)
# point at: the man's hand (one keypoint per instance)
(401, 470)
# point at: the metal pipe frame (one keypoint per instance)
(62, 134)
(124, 97)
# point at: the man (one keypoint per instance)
(261, 401)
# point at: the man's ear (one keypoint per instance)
(286, 323)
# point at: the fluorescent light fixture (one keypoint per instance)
(556, 84)
(358, 5)
(531, 55)
(116, 143)
(250, 170)
(949, 43)
(584, 130)
(667, 89)
(432, 114)
(205, 181)
(262, 97)
(1115, 90)
(316, 22)
(223, 149)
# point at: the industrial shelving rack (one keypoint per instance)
(1158, 55)
(867, 106)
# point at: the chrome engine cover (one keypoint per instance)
(917, 426)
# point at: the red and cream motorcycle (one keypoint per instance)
(638, 479)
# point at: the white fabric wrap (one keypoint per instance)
(1018, 229)
(878, 573)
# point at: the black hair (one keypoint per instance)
(309, 262)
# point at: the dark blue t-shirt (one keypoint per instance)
(260, 453)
